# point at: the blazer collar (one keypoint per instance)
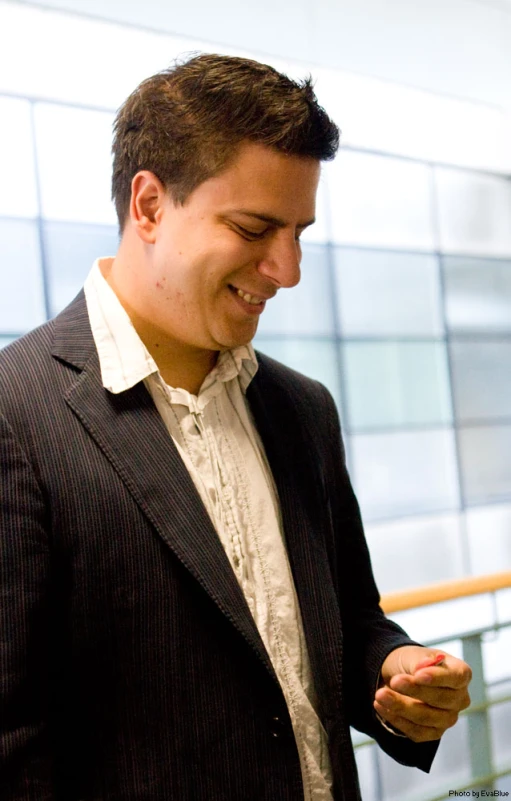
(73, 342)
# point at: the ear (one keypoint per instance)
(146, 205)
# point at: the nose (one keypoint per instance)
(280, 261)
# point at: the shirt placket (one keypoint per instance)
(224, 483)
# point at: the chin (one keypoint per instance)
(231, 340)
(235, 344)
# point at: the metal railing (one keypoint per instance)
(482, 769)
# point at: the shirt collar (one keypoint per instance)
(123, 357)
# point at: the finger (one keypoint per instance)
(441, 697)
(415, 731)
(417, 713)
(456, 677)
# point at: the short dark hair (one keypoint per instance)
(187, 122)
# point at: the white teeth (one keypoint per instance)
(249, 298)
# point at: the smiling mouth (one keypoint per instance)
(253, 300)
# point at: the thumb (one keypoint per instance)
(407, 659)
(430, 661)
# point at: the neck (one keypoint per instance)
(179, 365)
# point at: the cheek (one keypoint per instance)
(169, 293)
(227, 249)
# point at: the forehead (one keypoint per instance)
(264, 179)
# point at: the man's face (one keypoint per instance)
(222, 256)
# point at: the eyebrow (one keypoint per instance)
(276, 221)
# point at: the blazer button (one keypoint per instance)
(277, 727)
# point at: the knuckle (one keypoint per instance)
(421, 735)
(411, 730)
(423, 716)
(452, 719)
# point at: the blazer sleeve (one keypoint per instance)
(369, 636)
(25, 765)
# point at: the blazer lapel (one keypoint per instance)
(131, 434)
(296, 474)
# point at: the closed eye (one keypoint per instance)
(246, 233)
(251, 235)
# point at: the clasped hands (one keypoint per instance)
(422, 702)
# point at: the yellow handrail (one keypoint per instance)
(444, 591)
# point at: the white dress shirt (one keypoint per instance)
(217, 440)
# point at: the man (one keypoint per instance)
(187, 604)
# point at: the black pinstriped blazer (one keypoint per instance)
(131, 669)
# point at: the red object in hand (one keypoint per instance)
(430, 662)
